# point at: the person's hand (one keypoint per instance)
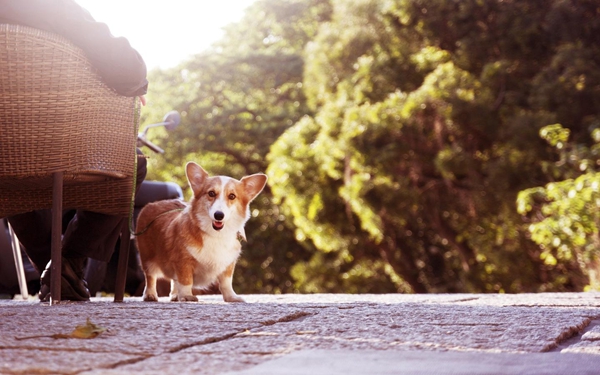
(142, 100)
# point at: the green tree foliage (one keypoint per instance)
(426, 126)
(397, 135)
(564, 214)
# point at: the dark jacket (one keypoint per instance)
(121, 67)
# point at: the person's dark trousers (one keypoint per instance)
(88, 234)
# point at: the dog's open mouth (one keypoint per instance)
(217, 225)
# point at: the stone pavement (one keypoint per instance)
(309, 334)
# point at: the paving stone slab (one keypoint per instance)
(328, 362)
(135, 331)
(567, 300)
(213, 337)
(44, 361)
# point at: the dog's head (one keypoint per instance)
(221, 202)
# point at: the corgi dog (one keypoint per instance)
(197, 243)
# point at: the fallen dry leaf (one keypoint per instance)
(87, 331)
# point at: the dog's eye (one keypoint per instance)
(212, 194)
(231, 197)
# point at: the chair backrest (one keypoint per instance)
(56, 114)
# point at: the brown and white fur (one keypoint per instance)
(197, 243)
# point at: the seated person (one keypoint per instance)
(87, 234)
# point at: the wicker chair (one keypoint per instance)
(66, 139)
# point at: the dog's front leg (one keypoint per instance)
(226, 287)
(150, 294)
(184, 284)
(173, 296)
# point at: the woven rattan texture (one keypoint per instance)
(56, 114)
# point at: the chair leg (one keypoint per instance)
(122, 266)
(56, 244)
(16, 248)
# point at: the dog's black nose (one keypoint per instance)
(219, 215)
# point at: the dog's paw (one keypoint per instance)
(233, 298)
(189, 298)
(173, 297)
(150, 298)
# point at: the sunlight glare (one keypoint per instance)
(167, 33)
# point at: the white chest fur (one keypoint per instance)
(219, 251)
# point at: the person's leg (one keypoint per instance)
(88, 235)
(34, 230)
(91, 235)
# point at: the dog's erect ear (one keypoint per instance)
(195, 176)
(254, 184)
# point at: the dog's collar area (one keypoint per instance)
(240, 238)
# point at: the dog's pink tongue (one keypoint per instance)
(217, 224)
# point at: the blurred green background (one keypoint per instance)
(411, 145)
